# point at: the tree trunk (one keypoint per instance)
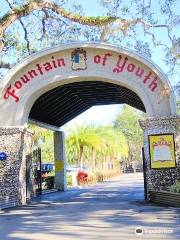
(81, 156)
(93, 158)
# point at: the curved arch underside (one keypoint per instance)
(60, 105)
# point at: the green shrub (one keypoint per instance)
(175, 187)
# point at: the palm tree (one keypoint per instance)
(80, 138)
(97, 144)
(114, 144)
(43, 138)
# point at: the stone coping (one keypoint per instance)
(173, 120)
(15, 129)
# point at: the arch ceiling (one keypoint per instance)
(61, 104)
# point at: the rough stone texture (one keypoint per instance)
(161, 179)
(16, 142)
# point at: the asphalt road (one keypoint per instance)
(111, 210)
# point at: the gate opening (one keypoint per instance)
(50, 88)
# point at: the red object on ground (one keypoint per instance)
(82, 176)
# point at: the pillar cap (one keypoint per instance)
(15, 129)
(151, 122)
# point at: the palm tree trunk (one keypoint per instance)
(81, 156)
(93, 158)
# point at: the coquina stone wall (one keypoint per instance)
(161, 179)
(16, 143)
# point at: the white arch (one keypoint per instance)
(16, 113)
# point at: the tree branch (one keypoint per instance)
(145, 7)
(5, 65)
(15, 13)
(24, 28)
(46, 16)
(120, 24)
(26, 36)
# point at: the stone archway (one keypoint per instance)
(53, 68)
(50, 68)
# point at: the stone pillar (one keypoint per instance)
(16, 143)
(161, 179)
(60, 161)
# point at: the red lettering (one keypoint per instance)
(130, 67)
(39, 68)
(61, 62)
(105, 58)
(10, 92)
(147, 77)
(25, 79)
(18, 84)
(97, 59)
(120, 68)
(32, 73)
(47, 66)
(54, 63)
(153, 84)
(139, 72)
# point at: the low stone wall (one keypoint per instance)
(165, 198)
(14, 142)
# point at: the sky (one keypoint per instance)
(91, 7)
(100, 115)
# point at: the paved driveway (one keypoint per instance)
(112, 210)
